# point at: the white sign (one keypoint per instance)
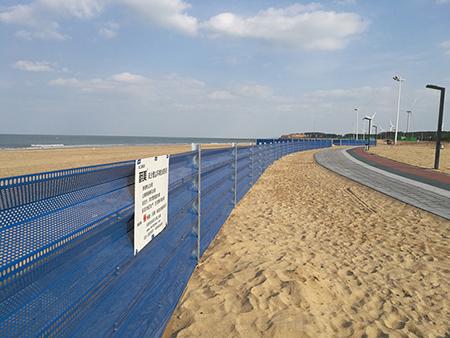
(151, 187)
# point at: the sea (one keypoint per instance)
(60, 141)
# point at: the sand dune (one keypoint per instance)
(309, 254)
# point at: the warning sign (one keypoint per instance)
(151, 187)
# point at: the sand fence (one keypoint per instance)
(66, 252)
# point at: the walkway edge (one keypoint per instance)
(343, 164)
(418, 184)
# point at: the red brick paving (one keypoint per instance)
(399, 167)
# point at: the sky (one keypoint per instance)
(235, 68)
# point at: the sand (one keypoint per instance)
(418, 154)
(308, 253)
(27, 161)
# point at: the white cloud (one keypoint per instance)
(255, 90)
(446, 46)
(345, 2)
(30, 16)
(171, 87)
(166, 13)
(109, 30)
(33, 66)
(82, 9)
(306, 27)
(221, 95)
(118, 82)
(45, 31)
(20, 14)
(302, 26)
(234, 107)
(66, 82)
(348, 93)
(243, 91)
(40, 16)
(129, 78)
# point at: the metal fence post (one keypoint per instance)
(235, 173)
(198, 164)
(260, 161)
(251, 165)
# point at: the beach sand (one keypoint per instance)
(308, 253)
(418, 154)
(27, 161)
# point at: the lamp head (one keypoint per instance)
(430, 86)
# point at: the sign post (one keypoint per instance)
(151, 188)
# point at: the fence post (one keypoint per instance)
(259, 161)
(251, 165)
(235, 172)
(198, 163)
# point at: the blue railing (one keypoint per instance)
(336, 142)
(66, 248)
(353, 142)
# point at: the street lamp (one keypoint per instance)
(399, 79)
(357, 119)
(439, 128)
(408, 116)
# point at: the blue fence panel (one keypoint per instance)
(66, 246)
(353, 142)
(244, 171)
(217, 195)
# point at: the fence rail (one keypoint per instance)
(66, 248)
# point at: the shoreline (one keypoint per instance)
(88, 146)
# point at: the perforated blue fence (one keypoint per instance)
(305, 142)
(66, 248)
(353, 142)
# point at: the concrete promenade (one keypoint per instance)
(419, 187)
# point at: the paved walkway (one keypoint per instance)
(422, 190)
(428, 176)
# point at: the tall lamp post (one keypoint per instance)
(408, 116)
(439, 128)
(357, 119)
(399, 79)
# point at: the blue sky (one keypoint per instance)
(218, 68)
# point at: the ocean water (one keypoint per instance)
(56, 141)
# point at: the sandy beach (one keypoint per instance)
(27, 161)
(418, 154)
(308, 253)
